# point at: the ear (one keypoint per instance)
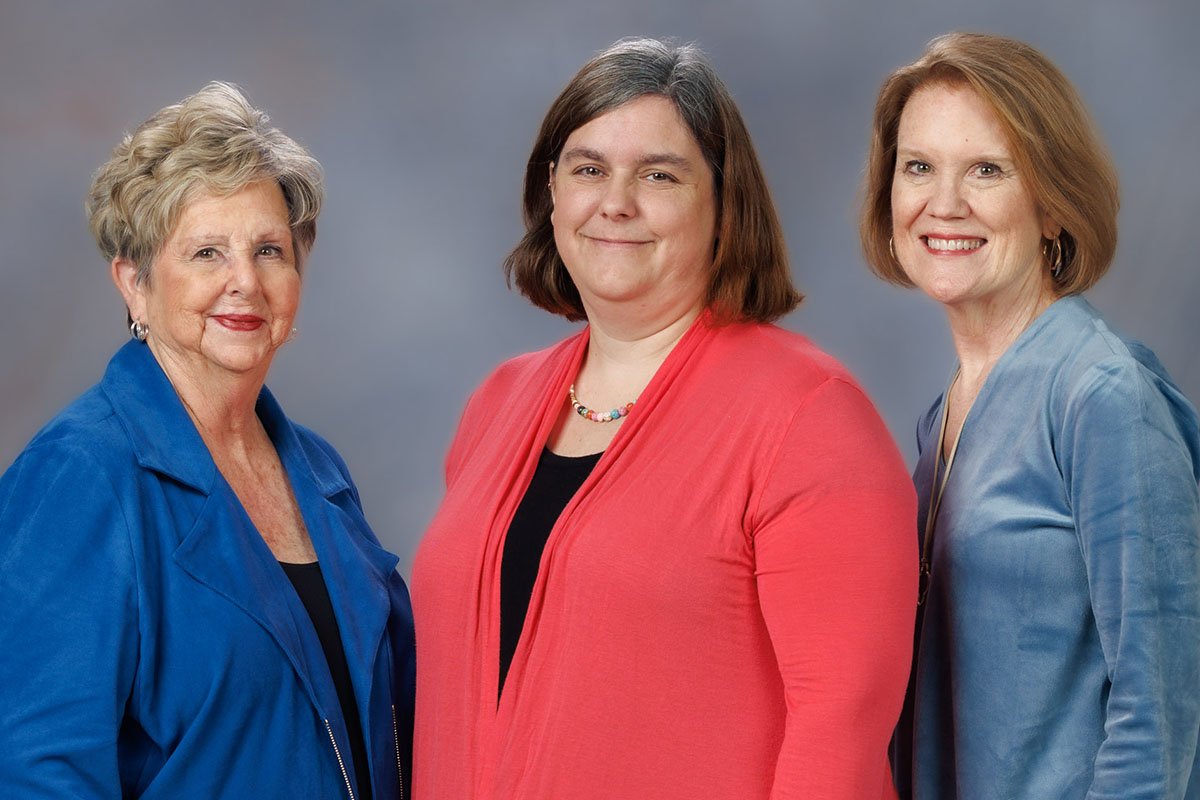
(124, 275)
(1050, 228)
(551, 184)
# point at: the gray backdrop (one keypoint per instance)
(423, 116)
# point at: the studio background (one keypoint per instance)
(423, 116)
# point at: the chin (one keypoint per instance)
(240, 361)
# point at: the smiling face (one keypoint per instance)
(635, 211)
(223, 290)
(966, 228)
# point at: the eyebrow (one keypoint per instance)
(916, 152)
(669, 159)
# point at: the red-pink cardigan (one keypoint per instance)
(723, 610)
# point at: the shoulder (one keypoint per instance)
(74, 474)
(508, 386)
(767, 358)
(514, 375)
(1098, 358)
(87, 427)
(1105, 382)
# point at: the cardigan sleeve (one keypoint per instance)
(1129, 475)
(69, 626)
(836, 572)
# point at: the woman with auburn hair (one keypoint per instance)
(194, 604)
(1058, 641)
(673, 559)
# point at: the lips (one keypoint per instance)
(945, 245)
(239, 322)
(605, 241)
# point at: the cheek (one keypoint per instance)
(902, 207)
(285, 294)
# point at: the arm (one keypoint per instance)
(1129, 478)
(836, 570)
(69, 627)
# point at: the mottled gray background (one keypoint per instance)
(423, 115)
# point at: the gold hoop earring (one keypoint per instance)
(1053, 251)
(892, 249)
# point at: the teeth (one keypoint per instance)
(953, 244)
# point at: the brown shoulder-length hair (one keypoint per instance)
(750, 278)
(1054, 143)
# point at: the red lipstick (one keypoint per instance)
(239, 322)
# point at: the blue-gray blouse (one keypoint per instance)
(1058, 654)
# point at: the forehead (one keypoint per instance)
(943, 115)
(647, 124)
(260, 201)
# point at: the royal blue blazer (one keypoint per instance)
(150, 644)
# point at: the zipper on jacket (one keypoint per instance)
(338, 753)
(396, 739)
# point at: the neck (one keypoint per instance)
(621, 359)
(220, 404)
(984, 331)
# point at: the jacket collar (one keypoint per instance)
(165, 440)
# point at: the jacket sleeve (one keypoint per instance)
(836, 571)
(68, 633)
(1128, 469)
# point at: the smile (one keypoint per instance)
(953, 244)
(239, 322)
(615, 242)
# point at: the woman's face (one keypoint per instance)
(635, 211)
(224, 289)
(967, 230)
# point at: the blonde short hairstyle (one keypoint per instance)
(1054, 143)
(214, 141)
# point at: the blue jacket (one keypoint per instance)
(1059, 647)
(150, 644)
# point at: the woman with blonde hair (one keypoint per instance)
(194, 604)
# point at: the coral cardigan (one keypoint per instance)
(723, 610)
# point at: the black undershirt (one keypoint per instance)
(555, 481)
(310, 586)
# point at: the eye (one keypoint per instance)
(987, 170)
(916, 167)
(270, 250)
(588, 172)
(205, 254)
(661, 177)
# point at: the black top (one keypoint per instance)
(315, 596)
(555, 481)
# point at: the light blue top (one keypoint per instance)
(1059, 652)
(150, 644)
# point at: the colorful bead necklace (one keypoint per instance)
(596, 416)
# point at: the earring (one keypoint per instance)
(291, 335)
(139, 330)
(1053, 252)
(891, 248)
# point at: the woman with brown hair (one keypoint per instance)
(673, 559)
(1058, 644)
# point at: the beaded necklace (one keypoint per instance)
(596, 416)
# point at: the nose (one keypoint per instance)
(948, 201)
(618, 201)
(243, 274)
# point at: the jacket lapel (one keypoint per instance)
(222, 549)
(357, 571)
